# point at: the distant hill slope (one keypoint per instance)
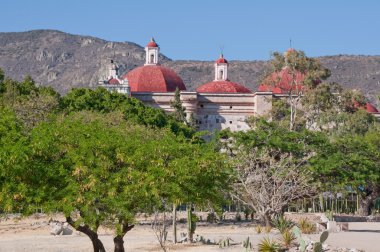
(64, 61)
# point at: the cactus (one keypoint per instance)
(317, 247)
(324, 236)
(247, 244)
(301, 241)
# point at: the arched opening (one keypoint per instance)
(151, 59)
(221, 74)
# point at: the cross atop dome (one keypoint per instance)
(151, 53)
(221, 67)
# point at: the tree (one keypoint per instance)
(300, 74)
(272, 165)
(93, 172)
(179, 111)
(13, 160)
(353, 161)
(268, 180)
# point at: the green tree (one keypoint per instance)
(13, 160)
(352, 160)
(179, 111)
(302, 74)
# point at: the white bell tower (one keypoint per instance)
(152, 50)
(221, 67)
(113, 70)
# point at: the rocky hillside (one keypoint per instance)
(64, 61)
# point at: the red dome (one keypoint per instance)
(154, 79)
(152, 43)
(113, 81)
(222, 87)
(370, 108)
(281, 82)
(221, 60)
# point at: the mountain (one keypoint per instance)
(64, 61)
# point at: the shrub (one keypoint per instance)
(268, 245)
(282, 224)
(306, 226)
(259, 229)
(287, 238)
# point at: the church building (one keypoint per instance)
(216, 105)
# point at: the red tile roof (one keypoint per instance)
(222, 87)
(370, 108)
(154, 79)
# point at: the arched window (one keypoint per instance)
(152, 58)
(221, 74)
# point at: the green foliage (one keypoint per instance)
(101, 100)
(179, 111)
(268, 245)
(287, 238)
(282, 224)
(13, 164)
(191, 221)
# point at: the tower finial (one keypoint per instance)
(221, 51)
(290, 43)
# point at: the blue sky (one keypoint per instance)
(198, 29)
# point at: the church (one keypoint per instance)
(215, 105)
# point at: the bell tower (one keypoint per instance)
(221, 67)
(151, 50)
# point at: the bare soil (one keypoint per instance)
(30, 234)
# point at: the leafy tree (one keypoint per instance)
(302, 74)
(352, 160)
(13, 160)
(179, 111)
(99, 173)
(134, 111)
(30, 103)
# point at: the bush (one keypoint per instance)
(268, 245)
(306, 226)
(282, 224)
(259, 229)
(287, 238)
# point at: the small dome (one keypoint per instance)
(222, 87)
(281, 82)
(154, 78)
(113, 81)
(152, 43)
(221, 60)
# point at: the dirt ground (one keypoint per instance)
(34, 235)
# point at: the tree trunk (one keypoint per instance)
(267, 220)
(174, 223)
(366, 202)
(118, 240)
(119, 243)
(96, 243)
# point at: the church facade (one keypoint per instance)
(216, 105)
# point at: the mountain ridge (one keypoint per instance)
(63, 61)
